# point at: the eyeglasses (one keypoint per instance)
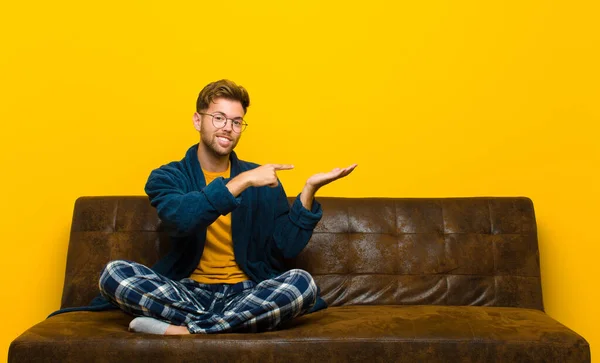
(219, 121)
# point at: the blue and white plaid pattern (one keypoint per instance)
(204, 308)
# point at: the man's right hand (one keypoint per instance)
(265, 175)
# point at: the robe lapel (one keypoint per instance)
(241, 218)
(193, 164)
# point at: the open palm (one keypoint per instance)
(320, 179)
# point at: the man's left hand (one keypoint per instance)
(320, 179)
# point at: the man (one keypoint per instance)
(231, 229)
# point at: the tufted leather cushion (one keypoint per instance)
(469, 251)
(462, 251)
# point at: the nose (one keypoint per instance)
(228, 125)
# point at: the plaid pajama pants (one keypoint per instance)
(204, 308)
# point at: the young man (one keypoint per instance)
(231, 229)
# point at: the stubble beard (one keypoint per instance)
(210, 141)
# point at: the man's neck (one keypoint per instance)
(210, 161)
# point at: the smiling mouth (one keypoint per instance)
(223, 141)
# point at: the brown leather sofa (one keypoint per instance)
(406, 280)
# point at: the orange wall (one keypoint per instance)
(432, 99)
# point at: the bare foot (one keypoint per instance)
(176, 330)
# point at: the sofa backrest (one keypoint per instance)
(445, 251)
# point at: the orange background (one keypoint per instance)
(431, 99)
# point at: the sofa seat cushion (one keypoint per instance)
(338, 334)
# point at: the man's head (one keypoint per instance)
(220, 109)
(222, 89)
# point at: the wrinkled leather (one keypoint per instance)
(449, 279)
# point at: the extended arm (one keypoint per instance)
(265, 175)
(294, 227)
(168, 190)
(318, 180)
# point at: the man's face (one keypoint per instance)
(220, 141)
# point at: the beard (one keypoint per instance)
(212, 145)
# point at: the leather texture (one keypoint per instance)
(448, 279)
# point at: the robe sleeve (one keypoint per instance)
(184, 209)
(294, 226)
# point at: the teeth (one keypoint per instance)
(222, 138)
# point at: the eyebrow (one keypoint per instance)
(231, 118)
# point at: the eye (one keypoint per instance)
(219, 118)
(236, 123)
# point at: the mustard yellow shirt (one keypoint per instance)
(217, 264)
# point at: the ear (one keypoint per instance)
(197, 121)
